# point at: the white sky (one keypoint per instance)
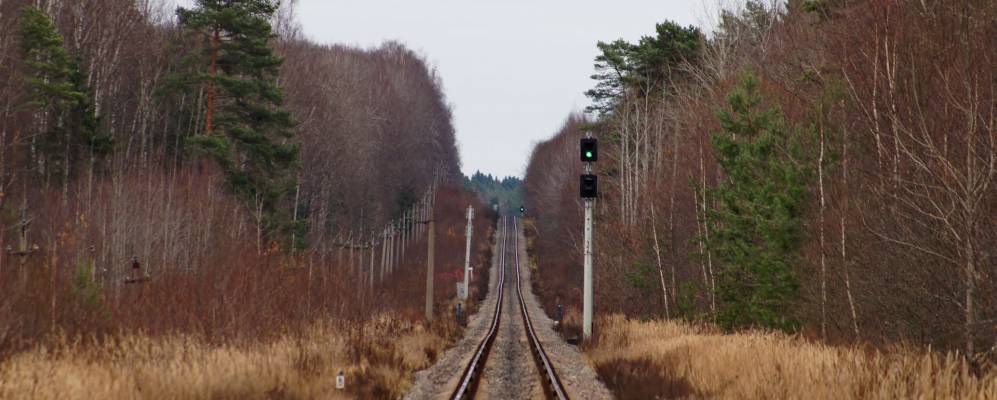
(512, 69)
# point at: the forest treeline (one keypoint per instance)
(140, 141)
(820, 166)
(504, 193)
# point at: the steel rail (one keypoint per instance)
(552, 383)
(469, 378)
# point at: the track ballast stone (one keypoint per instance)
(439, 380)
(577, 375)
(510, 372)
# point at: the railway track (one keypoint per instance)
(472, 373)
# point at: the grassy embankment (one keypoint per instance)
(661, 359)
(669, 359)
(292, 366)
(279, 328)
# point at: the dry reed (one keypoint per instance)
(669, 359)
(186, 367)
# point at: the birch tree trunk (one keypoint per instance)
(661, 272)
(823, 262)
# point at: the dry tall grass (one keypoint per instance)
(237, 325)
(185, 367)
(668, 359)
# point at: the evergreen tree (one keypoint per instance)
(248, 132)
(66, 121)
(613, 68)
(656, 57)
(49, 66)
(757, 217)
(641, 67)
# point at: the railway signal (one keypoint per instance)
(590, 150)
(588, 190)
(589, 186)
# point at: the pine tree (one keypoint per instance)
(758, 228)
(247, 132)
(66, 121)
(641, 67)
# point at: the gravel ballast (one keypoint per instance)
(510, 372)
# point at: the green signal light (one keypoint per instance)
(588, 154)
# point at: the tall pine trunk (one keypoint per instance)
(209, 115)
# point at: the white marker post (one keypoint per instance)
(467, 253)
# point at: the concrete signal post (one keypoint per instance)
(589, 191)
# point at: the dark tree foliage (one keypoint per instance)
(758, 219)
(643, 67)
(613, 67)
(250, 132)
(505, 193)
(61, 102)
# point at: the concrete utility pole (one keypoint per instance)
(587, 284)
(398, 243)
(391, 248)
(384, 254)
(371, 270)
(430, 267)
(467, 252)
(405, 232)
(353, 270)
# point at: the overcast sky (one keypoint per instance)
(512, 70)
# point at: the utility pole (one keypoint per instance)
(371, 269)
(588, 189)
(384, 254)
(430, 266)
(399, 241)
(353, 270)
(406, 236)
(430, 253)
(467, 252)
(389, 246)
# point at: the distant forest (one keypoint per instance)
(505, 193)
